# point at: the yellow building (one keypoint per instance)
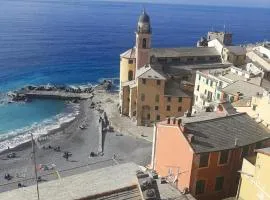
(255, 178)
(156, 83)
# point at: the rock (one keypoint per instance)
(75, 101)
(109, 100)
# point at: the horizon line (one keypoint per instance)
(186, 4)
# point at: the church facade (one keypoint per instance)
(156, 83)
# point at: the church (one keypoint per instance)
(156, 83)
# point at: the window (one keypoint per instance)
(220, 84)
(198, 88)
(176, 60)
(142, 97)
(168, 108)
(134, 113)
(207, 81)
(185, 78)
(156, 107)
(211, 83)
(205, 91)
(148, 116)
(158, 117)
(199, 77)
(219, 183)
(157, 98)
(254, 107)
(213, 58)
(144, 43)
(204, 157)
(169, 99)
(223, 157)
(144, 81)
(179, 109)
(130, 75)
(258, 145)
(244, 151)
(209, 96)
(158, 82)
(218, 96)
(201, 58)
(162, 60)
(190, 59)
(130, 61)
(179, 99)
(200, 187)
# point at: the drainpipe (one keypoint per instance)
(154, 148)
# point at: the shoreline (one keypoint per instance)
(80, 142)
(64, 127)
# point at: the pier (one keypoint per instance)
(57, 95)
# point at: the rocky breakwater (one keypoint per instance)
(74, 93)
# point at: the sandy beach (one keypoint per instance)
(80, 143)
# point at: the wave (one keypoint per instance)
(17, 137)
(4, 99)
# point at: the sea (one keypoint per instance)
(78, 42)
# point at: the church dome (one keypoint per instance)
(144, 18)
(144, 25)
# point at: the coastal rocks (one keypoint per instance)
(49, 87)
(105, 85)
(16, 97)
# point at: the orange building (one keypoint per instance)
(203, 154)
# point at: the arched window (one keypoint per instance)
(130, 75)
(144, 43)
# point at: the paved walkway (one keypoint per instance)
(124, 125)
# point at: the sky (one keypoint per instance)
(237, 3)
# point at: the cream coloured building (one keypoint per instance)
(224, 85)
(260, 55)
(258, 108)
(156, 83)
(255, 181)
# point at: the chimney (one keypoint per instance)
(236, 142)
(190, 137)
(179, 122)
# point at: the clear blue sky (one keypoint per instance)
(241, 3)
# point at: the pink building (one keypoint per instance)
(203, 154)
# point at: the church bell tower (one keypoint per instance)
(143, 40)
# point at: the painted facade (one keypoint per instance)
(258, 108)
(156, 83)
(206, 175)
(211, 89)
(255, 181)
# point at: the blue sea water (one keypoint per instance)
(79, 42)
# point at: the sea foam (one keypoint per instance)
(20, 136)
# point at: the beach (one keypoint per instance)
(80, 142)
